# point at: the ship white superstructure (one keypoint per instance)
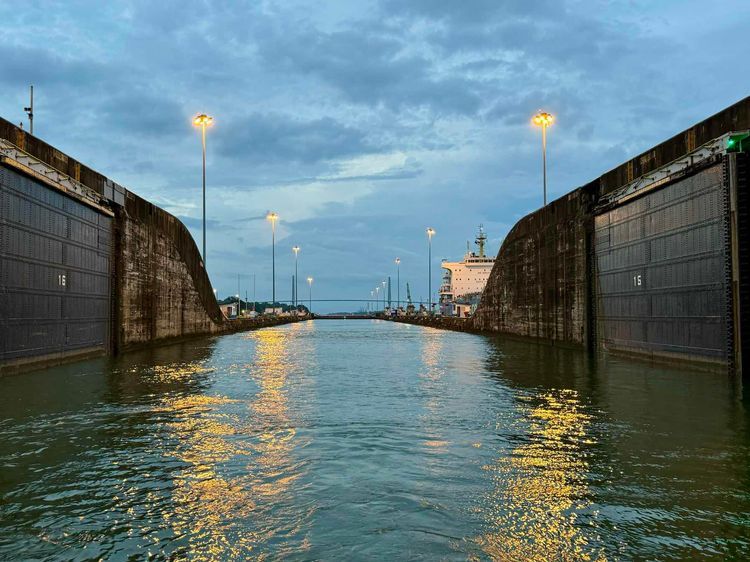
(464, 281)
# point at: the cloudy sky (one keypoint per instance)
(362, 122)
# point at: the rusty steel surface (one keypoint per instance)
(662, 271)
(55, 277)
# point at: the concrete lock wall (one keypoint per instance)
(539, 285)
(162, 289)
(547, 280)
(156, 286)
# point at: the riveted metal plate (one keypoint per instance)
(55, 269)
(661, 263)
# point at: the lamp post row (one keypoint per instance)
(542, 119)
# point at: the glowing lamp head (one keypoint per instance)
(295, 249)
(203, 120)
(430, 233)
(273, 217)
(310, 280)
(398, 261)
(543, 119)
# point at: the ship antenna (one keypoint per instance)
(480, 241)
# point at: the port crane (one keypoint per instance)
(409, 305)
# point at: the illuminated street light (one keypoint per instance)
(544, 120)
(430, 234)
(203, 121)
(383, 283)
(273, 217)
(309, 284)
(238, 306)
(398, 282)
(295, 249)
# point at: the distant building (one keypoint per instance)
(228, 310)
(273, 310)
(464, 281)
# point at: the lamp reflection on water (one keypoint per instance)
(239, 467)
(432, 384)
(537, 510)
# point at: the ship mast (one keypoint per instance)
(480, 241)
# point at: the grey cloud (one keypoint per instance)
(473, 10)
(142, 113)
(45, 67)
(368, 64)
(274, 137)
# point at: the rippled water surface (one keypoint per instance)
(360, 440)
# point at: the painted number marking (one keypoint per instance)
(637, 281)
(61, 280)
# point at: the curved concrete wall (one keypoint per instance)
(541, 285)
(162, 290)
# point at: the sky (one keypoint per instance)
(362, 123)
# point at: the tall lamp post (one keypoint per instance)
(309, 285)
(203, 121)
(544, 120)
(295, 249)
(273, 217)
(384, 284)
(377, 297)
(430, 234)
(398, 282)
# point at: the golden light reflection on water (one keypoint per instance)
(273, 467)
(432, 384)
(540, 487)
(223, 516)
(177, 372)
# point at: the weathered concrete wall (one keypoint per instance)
(539, 285)
(441, 322)
(162, 291)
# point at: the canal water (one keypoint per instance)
(370, 440)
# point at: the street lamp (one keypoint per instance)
(430, 234)
(309, 284)
(398, 282)
(273, 217)
(544, 120)
(377, 297)
(383, 283)
(295, 249)
(371, 304)
(238, 306)
(203, 121)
